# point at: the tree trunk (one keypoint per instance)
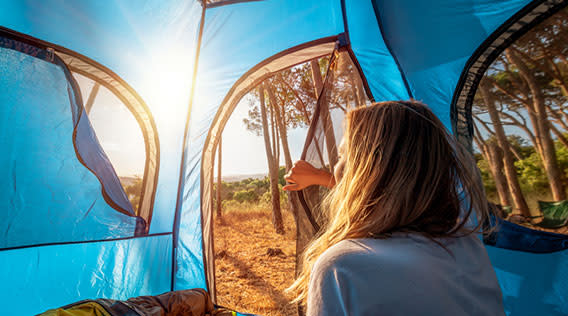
(494, 157)
(280, 124)
(219, 182)
(272, 168)
(325, 116)
(293, 200)
(358, 91)
(214, 189)
(559, 135)
(542, 129)
(508, 161)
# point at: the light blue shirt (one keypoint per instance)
(407, 274)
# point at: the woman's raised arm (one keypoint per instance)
(303, 174)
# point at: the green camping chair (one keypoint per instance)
(555, 214)
(507, 209)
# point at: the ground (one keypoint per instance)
(253, 264)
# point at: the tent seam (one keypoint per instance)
(391, 52)
(352, 53)
(175, 229)
(83, 241)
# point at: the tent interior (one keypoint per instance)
(144, 143)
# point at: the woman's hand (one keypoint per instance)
(302, 175)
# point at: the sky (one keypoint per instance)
(117, 130)
(244, 152)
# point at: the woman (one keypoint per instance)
(397, 240)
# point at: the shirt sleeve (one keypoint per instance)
(343, 282)
(326, 291)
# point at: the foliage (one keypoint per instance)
(530, 171)
(133, 192)
(251, 190)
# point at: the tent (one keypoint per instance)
(69, 231)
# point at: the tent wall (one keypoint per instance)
(41, 278)
(138, 108)
(377, 63)
(430, 44)
(532, 284)
(405, 48)
(530, 264)
(485, 54)
(133, 39)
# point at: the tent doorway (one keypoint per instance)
(259, 230)
(254, 219)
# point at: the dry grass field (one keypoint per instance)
(253, 264)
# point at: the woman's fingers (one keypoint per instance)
(300, 176)
(291, 187)
(289, 178)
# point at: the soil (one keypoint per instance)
(253, 264)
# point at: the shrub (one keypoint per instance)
(245, 196)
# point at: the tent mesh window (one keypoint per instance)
(520, 125)
(341, 91)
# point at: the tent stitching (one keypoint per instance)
(181, 183)
(391, 52)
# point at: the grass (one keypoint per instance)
(253, 264)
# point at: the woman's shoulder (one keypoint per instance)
(368, 273)
(355, 252)
(397, 250)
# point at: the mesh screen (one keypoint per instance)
(342, 90)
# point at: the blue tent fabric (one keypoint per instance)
(405, 48)
(532, 284)
(516, 237)
(41, 278)
(377, 63)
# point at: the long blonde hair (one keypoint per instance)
(403, 172)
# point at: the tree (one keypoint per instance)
(508, 160)
(526, 89)
(290, 104)
(283, 133)
(219, 161)
(272, 164)
(133, 192)
(541, 125)
(493, 155)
